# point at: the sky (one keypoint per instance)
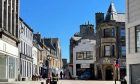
(62, 18)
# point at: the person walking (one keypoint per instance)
(61, 74)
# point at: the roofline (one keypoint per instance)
(121, 13)
(26, 24)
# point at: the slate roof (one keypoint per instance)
(113, 15)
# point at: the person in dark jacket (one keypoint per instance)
(54, 78)
(61, 74)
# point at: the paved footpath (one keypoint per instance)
(25, 82)
(64, 82)
(86, 82)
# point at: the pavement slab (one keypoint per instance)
(86, 82)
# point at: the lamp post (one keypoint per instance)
(49, 72)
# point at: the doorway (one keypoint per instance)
(109, 73)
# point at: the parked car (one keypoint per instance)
(85, 76)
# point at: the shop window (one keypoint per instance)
(86, 55)
(12, 69)
(137, 38)
(89, 55)
(79, 55)
(2, 67)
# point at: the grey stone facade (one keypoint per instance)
(132, 41)
(110, 44)
(55, 51)
(43, 52)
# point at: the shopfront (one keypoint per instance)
(8, 62)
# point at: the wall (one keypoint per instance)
(8, 49)
(133, 19)
(84, 45)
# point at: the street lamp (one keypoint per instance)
(49, 72)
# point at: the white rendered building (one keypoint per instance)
(84, 56)
(26, 44)
(35, 61)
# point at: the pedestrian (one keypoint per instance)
(61, 74)
(70, 75)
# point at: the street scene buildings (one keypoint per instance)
(108, 52)
(23, 54)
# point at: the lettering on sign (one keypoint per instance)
(85, 65)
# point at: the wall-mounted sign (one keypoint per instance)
(85, 65)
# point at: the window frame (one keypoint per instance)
(84, 55)
(122, 51)
(109, 32)
(107, 50)
(137, 38)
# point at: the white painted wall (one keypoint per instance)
(8, 49)
(84, 45)
(26, 44)
(34, 54)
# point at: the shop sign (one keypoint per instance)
(85, 65)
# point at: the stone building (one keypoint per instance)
(43, 52)
(26, 44)
(133, 41)
(53, 44)
(110, 45)
(56, 43)
(48, 47)
(39, 45)
(9, 19)
(86, 36)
